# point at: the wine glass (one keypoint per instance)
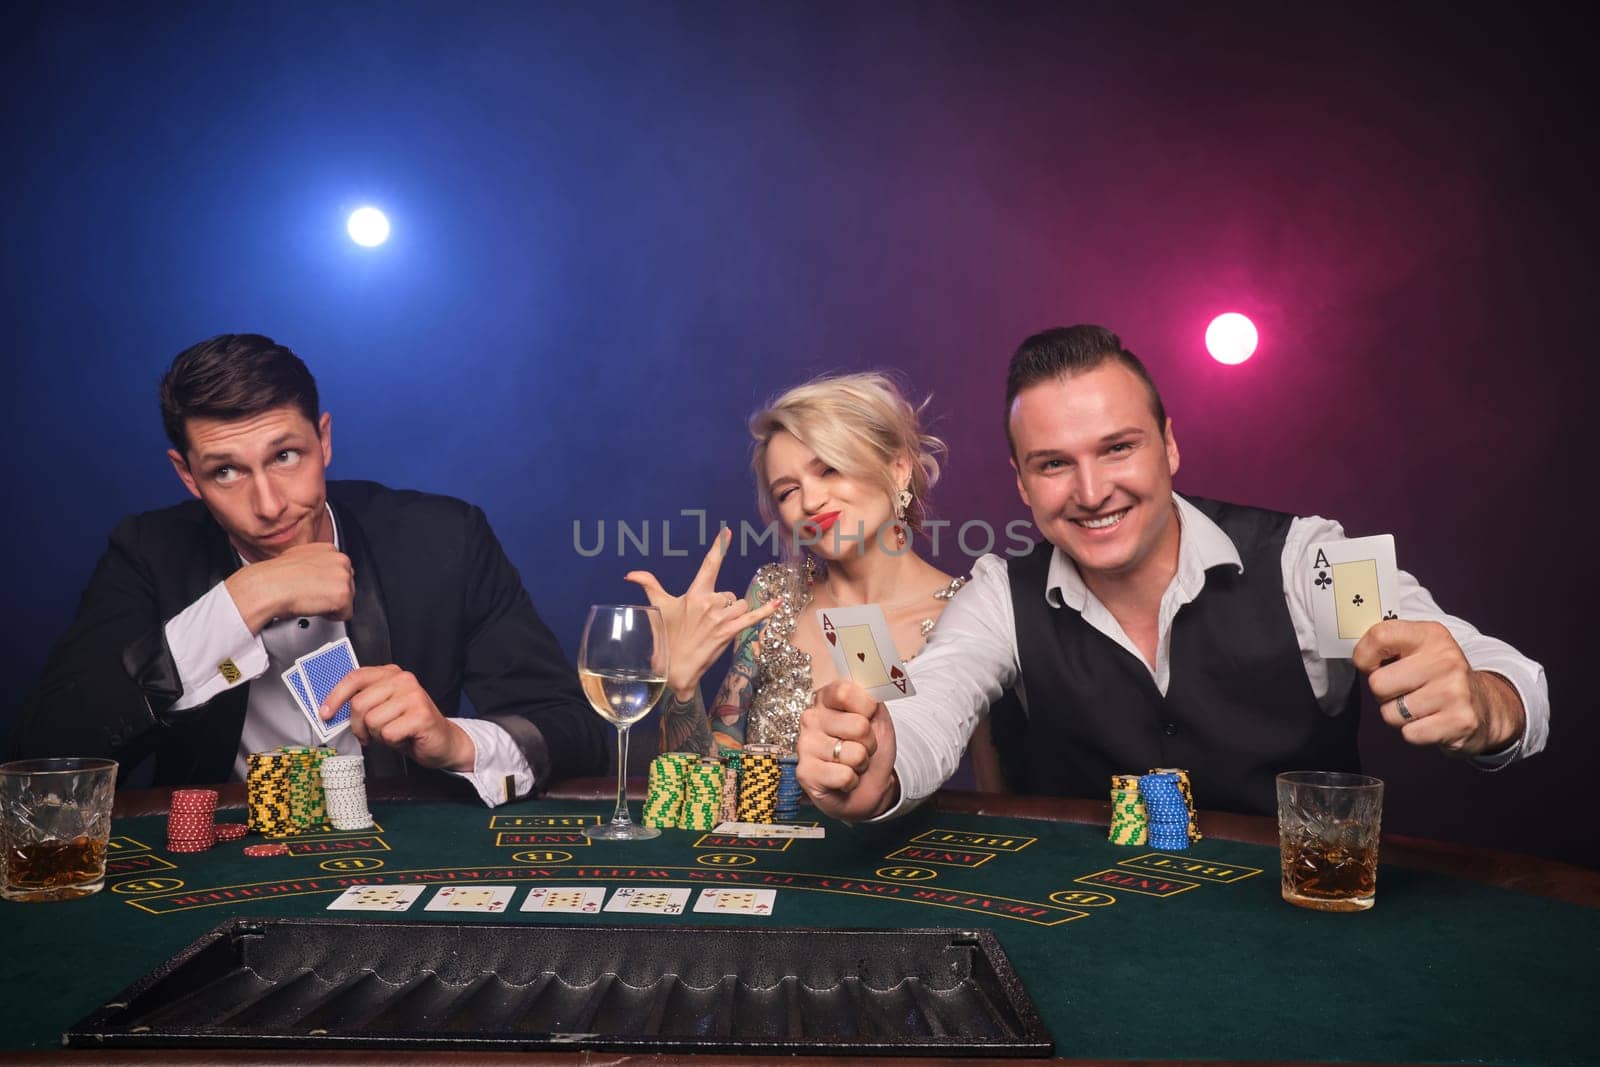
(622, 664)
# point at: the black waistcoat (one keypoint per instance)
(1238, 708)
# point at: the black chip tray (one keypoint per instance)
(321, 983)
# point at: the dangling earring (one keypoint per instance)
(902, 501)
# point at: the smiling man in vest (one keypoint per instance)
(1153, 630)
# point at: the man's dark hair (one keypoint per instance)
(1065, 352)
(233, 376)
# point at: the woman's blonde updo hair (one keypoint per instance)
(858, 424)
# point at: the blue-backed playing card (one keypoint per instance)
(296, 683)
(324, 669)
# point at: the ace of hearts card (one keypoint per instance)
(862, 650)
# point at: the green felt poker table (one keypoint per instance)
(1128, 954)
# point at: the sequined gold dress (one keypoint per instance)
(783, 680)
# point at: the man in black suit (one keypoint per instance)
(195, 611)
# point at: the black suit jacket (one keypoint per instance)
(434, 594)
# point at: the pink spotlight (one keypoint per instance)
(1231, 338)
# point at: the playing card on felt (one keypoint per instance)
(471, 898)
(648, 899)
(1353, 584)
(862, 650)
(572, 899)
(723, 900)
(376, 898)
(322, 670)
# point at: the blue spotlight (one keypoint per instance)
(368, 227)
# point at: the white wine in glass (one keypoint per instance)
(622, 665)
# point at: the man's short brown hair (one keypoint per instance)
(233, 376)
(1067, 351)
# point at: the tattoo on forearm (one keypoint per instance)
(684, 726)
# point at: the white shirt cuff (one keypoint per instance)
(498, 758)
(213, 648)
(1527, 679)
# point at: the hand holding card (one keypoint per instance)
(389, 705)
(1426, 688)
(847, 748)
(319, 672)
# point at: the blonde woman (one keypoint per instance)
(843, 467)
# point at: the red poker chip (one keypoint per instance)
(173, 846)
(272, 849)
(231, 831)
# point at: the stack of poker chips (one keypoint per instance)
(307, 810)
(344, 787)
(191, 820)
(267, 793)
(284, 790)
(663, 798)
(758, 783)
(730, 785)
(1166, 810)
(788, 806)
(702, 795)
(1129, 821)
(1188, 797)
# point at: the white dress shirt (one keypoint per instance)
(211, 631)
(971, 658)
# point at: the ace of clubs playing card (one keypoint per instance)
(1354, 584)
(862, 650)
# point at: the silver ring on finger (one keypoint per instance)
(838, 747)
(1405, 712)
(731, 600)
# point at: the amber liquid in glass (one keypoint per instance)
(1329, 877)
(54, 869)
